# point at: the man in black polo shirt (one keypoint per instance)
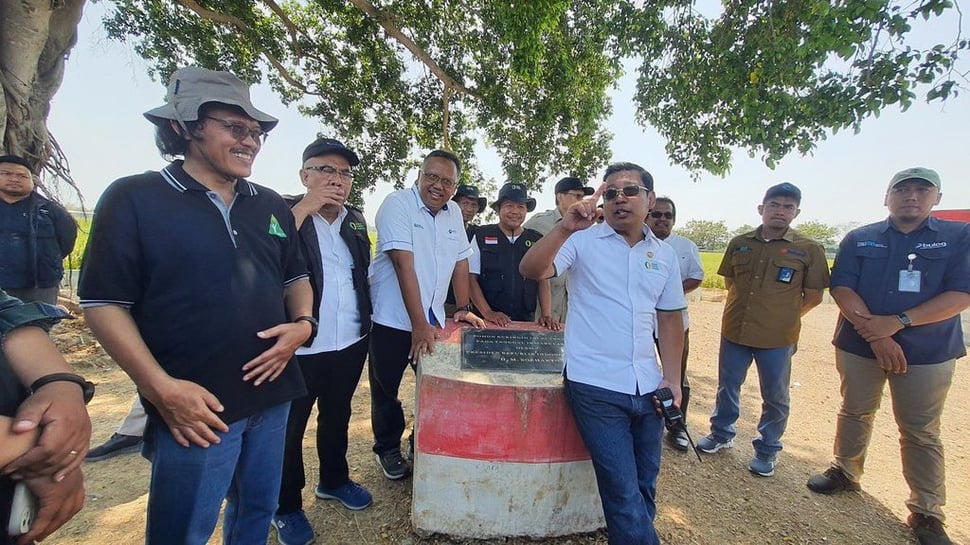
(195, 284)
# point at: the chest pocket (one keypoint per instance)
(932, 265)
(787, 271)
(742, 262)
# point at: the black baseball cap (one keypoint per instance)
(784, 189)
(326, 146)
(517, 193)
(16, 160)
(570, 183)
(470, 191)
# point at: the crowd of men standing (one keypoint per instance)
(235, 310)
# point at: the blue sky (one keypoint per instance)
(96, 118)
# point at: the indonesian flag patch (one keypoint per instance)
(491, 240)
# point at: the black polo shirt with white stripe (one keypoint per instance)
(200, 278)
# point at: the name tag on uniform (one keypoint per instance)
(909, 281)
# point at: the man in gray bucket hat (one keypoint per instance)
(195, 284)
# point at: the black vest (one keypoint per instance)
(353, 231)
(505, 289)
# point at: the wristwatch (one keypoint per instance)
(904, 319)
(314, 324)
(466, 308)
(87, 387)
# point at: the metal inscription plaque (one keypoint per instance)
(512, 350)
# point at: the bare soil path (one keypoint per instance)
(714, 502)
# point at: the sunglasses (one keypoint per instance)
(665, 215)
(240, 132)
(628, 191)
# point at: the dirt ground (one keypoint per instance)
(713, 501)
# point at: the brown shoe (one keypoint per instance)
(833, 480)
(929, 530)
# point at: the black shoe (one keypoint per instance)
(929, 530)
(678, 439)
(393, 465)
(116, 445)
(833, 480)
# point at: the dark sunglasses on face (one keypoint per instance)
(665, 215)
(628, 191)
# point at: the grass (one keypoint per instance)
(711, 261)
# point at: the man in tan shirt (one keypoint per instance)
(774, 275)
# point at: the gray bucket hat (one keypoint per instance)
(191, 87)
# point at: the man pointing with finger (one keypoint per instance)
(622, 275)
(194, 282)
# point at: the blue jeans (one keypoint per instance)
(188, 484)
(622, 433)
(774, 372)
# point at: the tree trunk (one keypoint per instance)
(36, 37)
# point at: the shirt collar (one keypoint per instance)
(931, 223)
(182, 181)
(756, 234)
(603, 230)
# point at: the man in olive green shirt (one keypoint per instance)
(774, 275)
(569, 190)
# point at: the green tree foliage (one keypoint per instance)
(531, 76)
(773, 77)
(706, 234)
(745, 228)
(824, 234)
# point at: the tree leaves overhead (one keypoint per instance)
(773, 77)
(532, 77)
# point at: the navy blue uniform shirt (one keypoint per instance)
(199, 284)
(869, 261)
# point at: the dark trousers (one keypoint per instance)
(331, 378)
(684, 383)
(389, 349)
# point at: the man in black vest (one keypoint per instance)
(497, 289)
(336, 247)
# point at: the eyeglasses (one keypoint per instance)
(330, 171)
(446, 183)
(240, 131)
(15, 175)
(665, 215)
(628, 191)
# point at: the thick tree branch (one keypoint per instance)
(387, 24)
(241, 26)
(291, 27)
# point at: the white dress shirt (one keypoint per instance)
(339, 317)
(614, 293)
(689, 258)
(437, 242)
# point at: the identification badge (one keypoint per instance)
(785, 275)
(909, 281)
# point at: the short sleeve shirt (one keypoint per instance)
(199, 280)
(689, 258)
(763, 307)
(437, 242)
(869, 262)
(615, 292)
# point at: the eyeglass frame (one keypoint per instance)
(659, 215)
(328, 170)
(258, 135)
(432, 178)
(628, 191)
